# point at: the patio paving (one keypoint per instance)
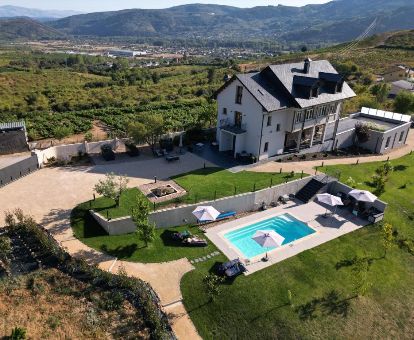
(312, 213)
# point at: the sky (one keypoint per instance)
(108, 5)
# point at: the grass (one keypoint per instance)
(201, 184)
(321, 282)
(210, 183)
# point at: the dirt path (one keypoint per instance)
(309, 166)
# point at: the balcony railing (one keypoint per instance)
(227, 125)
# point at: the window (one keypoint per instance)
(266, 147)
(278, 127)
(239, 94)
(401, 136)
(269, 121)
(309, 114)
(298, 117)
(315, 92)
(387, 144)
(224, 111)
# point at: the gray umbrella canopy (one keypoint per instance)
(329, 199)
(363, 195)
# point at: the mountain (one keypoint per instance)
(15, 11)
(26, 29)
(336, 21)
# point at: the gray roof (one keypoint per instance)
(278, 92)
(404, 84)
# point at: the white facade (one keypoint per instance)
(263, 134)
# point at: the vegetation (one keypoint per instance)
(112, 187)
(148, 129)
(322, 308)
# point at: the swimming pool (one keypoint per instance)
(286, 225)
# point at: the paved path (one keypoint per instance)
(309, 166)
(50, 194)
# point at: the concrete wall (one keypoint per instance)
(276, 139)
(394, 136)
(336, 187)
(66, 152)
(17, 170)
(240, 203)
(117, 226)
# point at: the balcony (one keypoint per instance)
(235, 129)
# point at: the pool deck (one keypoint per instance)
(311, 213)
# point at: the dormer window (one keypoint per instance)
(239, 94)
(314, 92)
(339, 86)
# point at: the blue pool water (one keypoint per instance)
(286, 225)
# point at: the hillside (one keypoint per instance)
(15, 11)
(24, 29)
(336, 21)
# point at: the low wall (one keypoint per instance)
(240, 203)
(66, 152)
(116, 226)
(336, 187)
(17, 170)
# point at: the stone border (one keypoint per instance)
(146, 190)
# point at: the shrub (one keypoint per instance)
(18, 333)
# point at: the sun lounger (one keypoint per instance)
(227, 265)
(195, 242)
(226, 215)
(172, 158)
(236, 270)
(182, 236)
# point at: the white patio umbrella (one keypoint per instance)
(206, 213)
(268, 239)
(330, 200)
(362, 195)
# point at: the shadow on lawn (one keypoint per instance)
(121, 252)
(331, 304)
(168, 239)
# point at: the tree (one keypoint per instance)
(147, 129)
(140, 210)
(211, 75)
(387, 237)
(362, 132)
(112, 187)
(304, 49)
(380, 91)
(146, 232)
(404, 102)
(212, 285)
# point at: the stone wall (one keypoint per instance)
(240, 203)
(116, 226)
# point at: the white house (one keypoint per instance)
(283, 108)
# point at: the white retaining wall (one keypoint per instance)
(66, 152)
(116, 226)
(240, 203)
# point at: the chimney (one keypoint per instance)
(307, 65)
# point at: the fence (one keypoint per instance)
(240, 203)
(19, 169)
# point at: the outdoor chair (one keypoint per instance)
(181, 236)
(195, 242)
(235, 270)
(227, 265)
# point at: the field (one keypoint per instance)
(51, 305)
(51, 91)
(322, 281)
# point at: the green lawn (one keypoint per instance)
(201, 185)
(207, 184)
(321, 282)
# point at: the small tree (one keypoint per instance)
(146, 232)
(362, 133)
(379, 180)
(380, 91)
(140, 210)
(212, 285)
(387, 237)
(112, 187)
(388, 168)
(147, 129)
(351, 182)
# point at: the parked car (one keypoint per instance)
(107, 153)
